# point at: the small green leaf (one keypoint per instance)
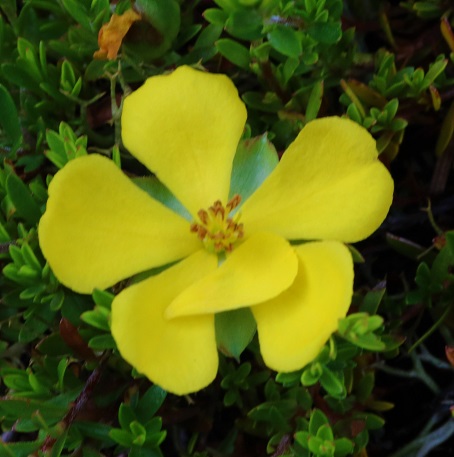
(333, 383)
(315, 444)
(325, 433)
(434, 71)
(373, 422)
(165, 19)
(78, 12)
(102, 342)
(22, 199)
(215, 16)
(59, 445)
(315, 101)
(311, 374)
(150, 402)
(245, 25)
(446, 131)
(234, 52)
(268, 103)
(372, 300)
(9, 118)
(97, 318)
(286, 40)
(317, 420)
(103, 298)
(343, 447)
(24, 449)
(325, 32)
(121, 437)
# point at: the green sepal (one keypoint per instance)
(255, 159)
(234, 331)
(153, 187)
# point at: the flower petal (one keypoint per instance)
(179, 354)
(185, 127)
(294, 326)
(258, 270)
(328, 185)
(99, 227)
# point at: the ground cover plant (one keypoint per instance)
(158, 239)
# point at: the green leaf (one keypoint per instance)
(406, 247)
(311, 374)
(9, 7)
(150, 402)
(22, 199)
(254, 160)
(102, 342)
(373, 422)
(446, 132)
(268, 103)
(59, 445)
(215, 16)
(9, 119)
(450, 241)
(103, 298)
(95, 430)
(23, 408)
(164, 18)
(325, 32)
(315, 444)
(121, 437)
(315, 101)
(317, 420)
(24, 449)
(138, 432)
(125, 416)
(245, 25)
(16, 75)
(97, 318)
(78, 12)
(434, 71)
(325, 433)
(234, 331)
(343, 447)
(286, 40)
(234, 52)
(333, 383)
(372, 300)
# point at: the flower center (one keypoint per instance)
(216, 229)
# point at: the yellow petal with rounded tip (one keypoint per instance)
(261, 268)
(179, 354)
(294, 326)
(185, 127)
(328, 185)
(100, 228)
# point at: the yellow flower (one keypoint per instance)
(100, 228)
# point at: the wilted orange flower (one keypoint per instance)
(111, 34)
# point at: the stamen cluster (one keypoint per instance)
(219, 232)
